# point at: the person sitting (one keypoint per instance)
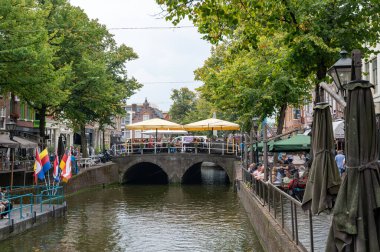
(259, 173)
(252, 167)
(5, 205)
(277, 176)
(297, 186)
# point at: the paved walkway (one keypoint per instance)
(19, 215)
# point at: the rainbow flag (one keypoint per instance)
(38, 170)
(56, 168)
(44, 156)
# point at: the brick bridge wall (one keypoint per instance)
(175, 164)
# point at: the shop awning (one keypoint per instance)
(295, 143)
(260, 146)
(6, 142)
(25, 143)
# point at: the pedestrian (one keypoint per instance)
(340, 160)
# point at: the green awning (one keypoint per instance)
(260, 146)
(295, 143)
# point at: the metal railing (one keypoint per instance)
(222, 148)
(50, 196)
(25, 204)
(288, 214)
(18, 165)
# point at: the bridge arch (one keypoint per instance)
(173, 165)
(193, 172)
(145, 173)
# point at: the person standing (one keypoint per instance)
(340, 160)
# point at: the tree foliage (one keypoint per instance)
(62, 63)
(308, 34)
(99, 81)
(184, 102)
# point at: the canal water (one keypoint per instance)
(205, 217)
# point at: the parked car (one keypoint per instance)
(189, 143)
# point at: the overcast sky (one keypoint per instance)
(167, 57)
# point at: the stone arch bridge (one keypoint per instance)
(177, 167)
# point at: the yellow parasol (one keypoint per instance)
(155, 124)
(211, 124)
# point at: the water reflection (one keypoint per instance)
(146, 218)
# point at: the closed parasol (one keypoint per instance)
(323, 183)
(356, 220)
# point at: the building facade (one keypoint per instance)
(27, 126)
(138, 113)
(372, 74)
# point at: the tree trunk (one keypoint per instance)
(104, 140)
(83, 141)
(281, 119)
(321, 75)
(42, 118)
(280, 127)
(251, 146)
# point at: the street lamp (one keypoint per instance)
(341, 72)
(255, 121)
(11, 127)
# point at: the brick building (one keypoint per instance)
(138, 113)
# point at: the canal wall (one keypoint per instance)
(16, 225)
(88, 177)
(271, 237)
(107, 173)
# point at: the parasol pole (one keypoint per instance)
(155, 144)
(13, 164)
(209, 146)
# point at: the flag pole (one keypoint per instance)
(49, 188)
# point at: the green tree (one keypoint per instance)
(312, 32)
(27, 68)
(99, 79)
(203, 110)
(252, 82)
(184, 102)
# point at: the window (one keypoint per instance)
(296, 113)
(366, 70)
(3, 112)
(22, 110)
(145, 117)
(128, 119)
(374, 74)
(126, 134)
(138, 134)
